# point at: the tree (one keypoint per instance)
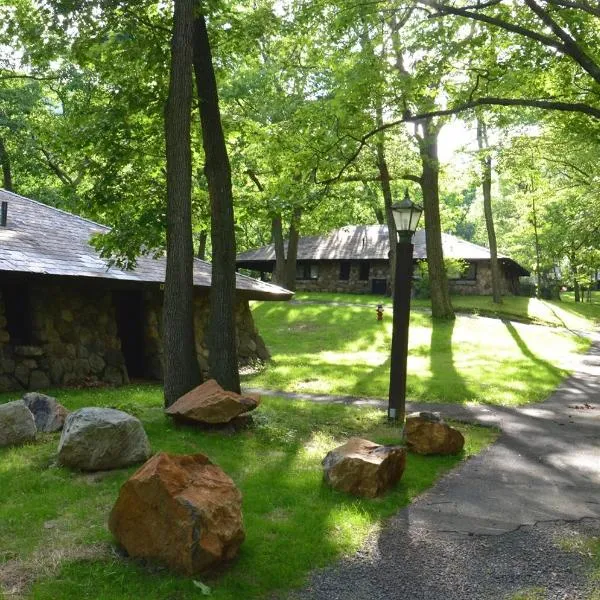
(486, 187)
(181, 370)
(221, 333)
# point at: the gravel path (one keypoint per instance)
(497, 525)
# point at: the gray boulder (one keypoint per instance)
(49, 415)
(98, 439)
(17, 424)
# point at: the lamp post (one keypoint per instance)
(406, 216)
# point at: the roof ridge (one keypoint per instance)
(60, 210)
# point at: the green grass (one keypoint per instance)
(54, 532)
(589, 548)
(578, 316)
(323, 348)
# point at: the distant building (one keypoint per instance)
(355, 259)
(66, 317)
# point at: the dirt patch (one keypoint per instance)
(17, 576)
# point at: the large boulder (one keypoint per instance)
(49, 415)
(17, 424)
(427, 433)
(363, 468)
(209, 403)
(182, 511)
(97, 439)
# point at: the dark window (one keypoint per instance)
(345, 270)
(365, 268)
(467, 273)
(307, 271)
(17, 310)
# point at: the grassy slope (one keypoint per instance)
(54, 520)
(326, 348)
(559, 314)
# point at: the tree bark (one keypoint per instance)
(7, 183)
(202, 238)
(386, 190)
(278, 243)
(441, 307)
(292, 250)
(538, 288)
(223, 358)
(486, 185)
(182, 372)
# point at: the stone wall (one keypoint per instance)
(74, 337)
(329, 278)
(329, 281)
(73, 340)
(250, 346)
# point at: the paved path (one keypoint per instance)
(497, 524)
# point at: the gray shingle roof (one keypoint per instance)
(367, 242)
(43, 240)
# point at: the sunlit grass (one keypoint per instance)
(324, 348)
(54, 532)
(579, 316)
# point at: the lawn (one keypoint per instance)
(331, 349)
(54, 541)
(567, 313)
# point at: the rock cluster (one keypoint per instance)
(363, 468)
(210, 404)
(427, 433)
(182, 511)
(95, 439)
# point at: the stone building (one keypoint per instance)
(67, 317)
(355, 259)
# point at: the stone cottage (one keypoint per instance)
(355, 259)
(67, 317)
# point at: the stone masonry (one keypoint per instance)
(329, 279)
(74, 337)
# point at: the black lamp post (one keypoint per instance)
(406, 216)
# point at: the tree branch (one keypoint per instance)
(491, 101)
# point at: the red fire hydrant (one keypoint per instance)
(380, 312)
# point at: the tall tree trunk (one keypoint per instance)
(575, 273)
(292, 250)
(277, 232)
(7, 183)
(223, 358)
(486, 185)
(538, 289)
(202, 238)
(441, 307)
(182, 372)
(384, 176)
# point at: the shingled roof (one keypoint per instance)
(368, 242)
(42, 240)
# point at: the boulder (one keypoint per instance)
(182, 511)
(210, 403)
(363, 468)
(17, 424)
(96, 439)
(49, 415)
(427, 433)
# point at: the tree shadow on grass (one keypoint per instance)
(525, 351)
(444, 383)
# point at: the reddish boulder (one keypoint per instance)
(427, 433)
(182, 511)
(363, 468)
(210, 403)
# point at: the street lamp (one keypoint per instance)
(406, 216)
